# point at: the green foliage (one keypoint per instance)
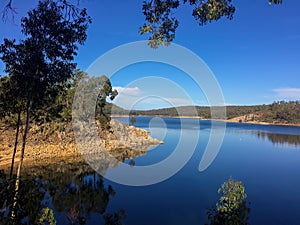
(4, 102)
(104, 122)
(161, 24)
(9, 104)
(212, 10)
(47, 217)
(232, 208)
(39, 66)
(105, 92)
(57, 110)
(44, 58)
(91, 99)
(58, 104)
(283, 112)
(233, 195)
(159, 21)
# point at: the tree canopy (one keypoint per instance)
(232, 207)
(45, 57)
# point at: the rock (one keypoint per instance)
(45, 148)
(133, 137)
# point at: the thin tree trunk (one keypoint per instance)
(16, 144)
(29, 104)
(94, 180)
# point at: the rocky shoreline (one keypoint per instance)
(46, 148)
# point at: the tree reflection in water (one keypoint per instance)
(83, 197)
(280, 139)
(77, 193)
(29, 204)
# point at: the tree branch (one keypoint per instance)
(71, 10)
(8, 9)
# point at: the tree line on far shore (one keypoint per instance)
(278, 112)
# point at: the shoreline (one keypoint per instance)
(265, 123)
(205, 119)
(49, 152)
(52, 147)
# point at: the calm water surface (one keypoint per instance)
(265, 158)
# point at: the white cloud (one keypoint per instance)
(133, 91)
(167, 101)
(127, 96)
(134, 98)
(288, 93)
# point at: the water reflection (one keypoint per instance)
(85, 196)
(76, 195)
(29, 204)
(279, 139)
(65, 189)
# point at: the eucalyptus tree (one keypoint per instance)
(91, 100)
(45, 57)
(232, 207)
(106, 91)
(57, 102)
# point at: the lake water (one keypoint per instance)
(265, 158)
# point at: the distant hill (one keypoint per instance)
(115, 110)
(278, 112)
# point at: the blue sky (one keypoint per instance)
(255, 57)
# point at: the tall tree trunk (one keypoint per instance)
(28, 110)
(16, 144)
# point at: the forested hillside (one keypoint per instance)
(277, 112)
